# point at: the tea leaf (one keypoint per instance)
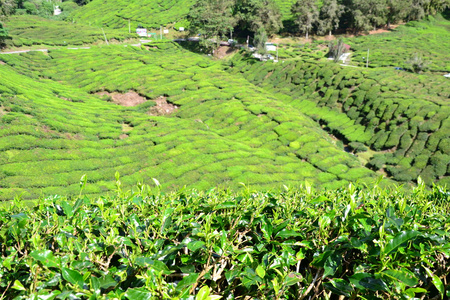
(72, 276)
(138, 294)
(399, 239)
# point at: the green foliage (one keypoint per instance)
(360, 107)
(148, 13)
(219, 135)
(142, 244)
(305, 14)
(34, 30)
(214, 20)
(428, 41)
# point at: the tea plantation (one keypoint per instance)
(149, 13)
(350, 243)
(430, 39)
(33, 30)
(397, 122)
(54, 128)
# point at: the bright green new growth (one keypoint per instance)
(141, 244)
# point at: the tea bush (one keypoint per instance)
(350, 242)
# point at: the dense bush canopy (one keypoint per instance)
(352, 242)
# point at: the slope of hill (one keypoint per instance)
(54, 128)
(285, 8)
(403, 118)
(29, 30)
(149, 13)
(430, 39)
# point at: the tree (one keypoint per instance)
(306, 15)
(336, 49)
(397, 10)
(255, 14)
(417, 64)
(367, 14)
(260, 41)
(213, 20)
(421, 8)
(329, 16)
(3, 34)
(7, 7)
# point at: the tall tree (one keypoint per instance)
(213, 20)
(329, 16)
(397, 10)
(7, 7)
(256, 14)
(260, 41)
(367, 14)
(306, 15)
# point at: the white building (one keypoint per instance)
(271, 47)
(57, 11)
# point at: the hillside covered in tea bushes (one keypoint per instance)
(148, 13)
(55, 127)
(397, 121)
(26, 31)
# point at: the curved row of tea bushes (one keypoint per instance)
(350, 243)
(33, 30)
(148, 13)
(225, 131)
(402, 117)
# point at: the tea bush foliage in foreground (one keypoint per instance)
(352, 242)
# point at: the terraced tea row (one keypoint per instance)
(33, 30)
(402, 117)
(225, 131)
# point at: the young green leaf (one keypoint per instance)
(203, 293)
(260, 271)
(437, 282)
(138, 294)
(402, 275)
(18, 286)
(45, 257)
(72, 276)
(399, 239)
(187, 281)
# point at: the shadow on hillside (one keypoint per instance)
(446, 14)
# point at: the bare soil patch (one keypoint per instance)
(2, 62)
(224, 51)
(130, 98)
(162, 107)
